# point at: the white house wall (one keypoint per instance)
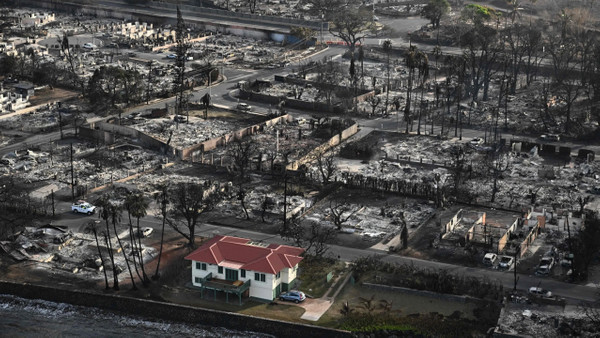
(262, 290)
(258, 289)
(288, 275)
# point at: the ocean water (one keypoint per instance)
(21, 317)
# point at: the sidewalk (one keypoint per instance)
(315, 308)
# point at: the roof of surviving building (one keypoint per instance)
(241, 253)
(23, 85)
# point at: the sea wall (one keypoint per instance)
(167, 311)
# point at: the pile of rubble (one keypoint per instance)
(376, 221)
(544, 321)
(265, 197)
(64, 250)
(90, 164)
(182, 134)
(537, 180)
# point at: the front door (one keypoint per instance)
(231, 275)
(277, 291)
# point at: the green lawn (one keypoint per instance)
(401, 305)
(313, 275)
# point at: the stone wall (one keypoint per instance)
(167, 311)
(422, 293)
(332, 142)
(145, 140)
(197, 150)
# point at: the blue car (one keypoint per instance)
(293, 296)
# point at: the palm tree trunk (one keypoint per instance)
(133, 246)
(112, 258)
(100, 254)
(134, 287)
(162, 237)
(141, 255)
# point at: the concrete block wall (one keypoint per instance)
(198, 149)
(332, 142)
(168, 311)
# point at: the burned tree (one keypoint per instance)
(374, 102)
(188, 202)
(329, 75)
(314, 238)
(586, 245)
(341, 211)
(68, 53)
(326, 164)
(181, 48)
(496, 164)
(242, 152)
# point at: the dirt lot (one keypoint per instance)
(48, 95)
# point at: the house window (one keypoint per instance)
(204, 266)
(198, 280)
(259, 277)
(279, 275)
(220, 269)
(243, 273)
(200, 266)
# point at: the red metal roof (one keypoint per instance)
(271, 259)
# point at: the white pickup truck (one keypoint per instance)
(83, 207)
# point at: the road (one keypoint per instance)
(573, 293)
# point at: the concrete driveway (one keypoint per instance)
(314, 307)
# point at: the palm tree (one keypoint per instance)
(129, 201)
(116, 218)
(515, 10)
(412, 62)
(423, 68)
(95, 231)
(139, 209)
(387, 48)
(361, 58)
(163, 199)
(106, 212)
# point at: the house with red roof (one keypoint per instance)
(239, 266)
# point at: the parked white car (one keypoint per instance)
(145, 232)
(244, 107)
(539, 292)
(82, 207)
(89, 45)
(490, 259)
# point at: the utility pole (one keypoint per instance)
(72, 176)
(60, 123)
(149, 82)
(285, 178)
(517, 251)
(52, 195)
